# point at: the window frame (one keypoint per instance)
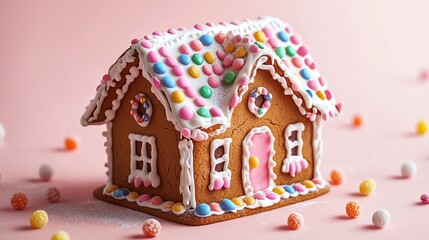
(299, 128)
(225, 173)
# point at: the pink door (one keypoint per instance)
(260, 153)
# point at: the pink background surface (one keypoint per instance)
(52, 55)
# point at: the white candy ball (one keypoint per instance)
(409, 169)
(46, 172)
(381, 218)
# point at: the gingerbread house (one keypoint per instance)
(213, 123)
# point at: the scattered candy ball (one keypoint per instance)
(422, 127)
(424, 74)
(39, 219)
(60, 235)
(408, 169)
(19, 201)
(381, 218)
(295, 221)
(357, 121)
(52, 195)
(337, 177)
(353, 209)
(367, 187)
(425, 198)
(151, 228)
(71, 143)
(46, 172)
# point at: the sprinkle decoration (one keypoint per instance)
(141, 108)
(19, 201)
(367, 187)
(353, 209)
(39, 219)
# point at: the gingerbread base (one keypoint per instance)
(191, 219)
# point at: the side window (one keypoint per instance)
(259, 101)
(141, 109)
(143, 161)
(220, 175)
(294, 162)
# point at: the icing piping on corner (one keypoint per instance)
(187, 185)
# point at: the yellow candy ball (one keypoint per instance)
(238, 202)
(60, 235)
(253, 162)
(39, 219)
(279, 190)
(260, 36)
(194, 72)
(241, 52)
(422, 127)
(249, 200)
(229, 48)
(209, 57)
(308, 184)
(367, 187)
(178, 96)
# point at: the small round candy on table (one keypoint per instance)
(381, 218)
(39, 219)
(19, 201)
(60, 235)
(295, 221)
(52, 195)
(367, 187)
(353, 209)
(151, 227)
(46, 172)
(409, 169)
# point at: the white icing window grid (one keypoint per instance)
(298, 143)
(143, 173)
(225, 174)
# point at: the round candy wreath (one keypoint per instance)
(254, 94)
(141, 118)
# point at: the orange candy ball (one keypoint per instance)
(357, 121)
(295, 221)
(71, 143)
(353, 209)
(19, 201)
(151, 227)
(337, 177)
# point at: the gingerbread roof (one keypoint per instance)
(201, 74)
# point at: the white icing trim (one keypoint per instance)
(135, 106)
(144, 176)
(247, 145)
(296, 160)
(251, 103)
(317, 147)
(108, 145)
(226, 173)
(187, 185)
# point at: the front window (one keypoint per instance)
(294, 162)
(220, 175)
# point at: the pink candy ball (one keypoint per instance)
(424, 198)
(151, 228)
(52, 195)
(424, 74)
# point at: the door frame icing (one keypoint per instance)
(247, 144)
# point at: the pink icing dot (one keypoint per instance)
(271, 195)
(228, 60)
(184, 49)
(215, 207)
(186, 113)
(220, 54)
(313, 117)
(298, 166)
(223, 23)
(143, 198)
(235, 22)
(207, 70)
(186, 132)
(146, 183)
(157, 200)
(178, 71)
(171, 62)
(218, 184)
(134, 41)
(299, 187)
(234, 102)
(137, 182)
(163, 51)
(297, 62)
(172, 31)
(317, 181)
(196, 45)
(227, 183)
(312, 84)
(331, 113)
(236, 39)
(339, 106)
(266, 104)
(273, 42)
(131, 180)
(215, 112)
(268, 32)
(156, 83)
(325, 117)
(328, 94)
(153, 57)
(148, 37)
(304, 164)
(322, 81)
(146, 44)
(289, 29)
(199, 27)
(260, 196)
(246, 39)
(210, 24)
(308, 62)
(295, 87)
(200, 102)
(238, 63)
(220, 38)
(190, 92)
(286, 62)
(106, 77)
(253, 48)
(295, 39)
(182, 82)
(302, 51)
(217, 69)
(244, 80)
(199, 137)
(157, 33)
(213, 81)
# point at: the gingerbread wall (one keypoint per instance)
(282, 112)
(167, 139)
